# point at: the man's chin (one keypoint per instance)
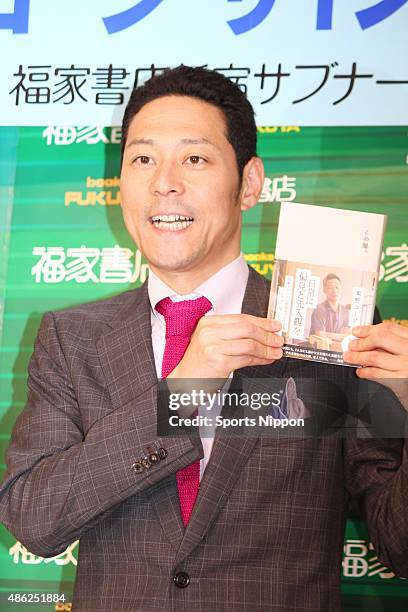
(173, 264)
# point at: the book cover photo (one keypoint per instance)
(325, 278)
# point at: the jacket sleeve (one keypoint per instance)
(61, 480)
(377, 474)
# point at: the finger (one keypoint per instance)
(375, 359)
(387, 327)
(250, 348)
(378, 338)
(374, 374)
(248, 330)
(264, 322)
(245, 361)
(361, 331)
(237, 319)
(236, 326)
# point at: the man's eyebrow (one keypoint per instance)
(139, 141)
(197, 141)
(184, 141)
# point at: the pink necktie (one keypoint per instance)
(181, 319)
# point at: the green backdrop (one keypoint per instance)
(62, 242)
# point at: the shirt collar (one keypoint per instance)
(224, 289)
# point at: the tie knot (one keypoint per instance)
(182, 317)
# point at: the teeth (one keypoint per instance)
(173, 226)
(170, 218)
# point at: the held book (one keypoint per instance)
(325, 278)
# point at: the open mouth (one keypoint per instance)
(171, 222)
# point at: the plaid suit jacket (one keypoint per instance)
(266, 532)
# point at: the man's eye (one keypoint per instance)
(143, 160)
(195, 160)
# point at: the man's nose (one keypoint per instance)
(167, 179)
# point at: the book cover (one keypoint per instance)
(325, 278)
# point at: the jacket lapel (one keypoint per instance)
(126, 356)
(229, 454)
(125, 349)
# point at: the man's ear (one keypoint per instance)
(252, 183)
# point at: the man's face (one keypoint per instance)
(332, 289)
(180, 186)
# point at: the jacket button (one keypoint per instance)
(153, 458)
(137, 467)
(162, 453)
(146, 463)
(181, 580)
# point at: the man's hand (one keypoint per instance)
(383, 350)
(221, 344)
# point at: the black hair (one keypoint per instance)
(209, 86)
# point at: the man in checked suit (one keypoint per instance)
(264, 531)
